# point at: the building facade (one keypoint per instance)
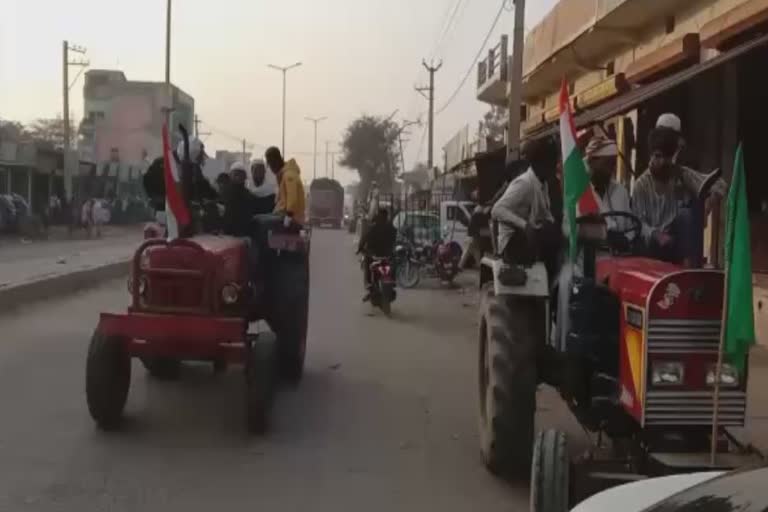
(123, 119)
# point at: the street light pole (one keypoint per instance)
(315, 120)
(284, 70)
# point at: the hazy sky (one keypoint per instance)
(360, 56)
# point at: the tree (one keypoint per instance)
(50, 131)
(493, 125)
(370, 147)
(12, 131)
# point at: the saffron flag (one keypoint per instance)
(176, 210)
(579, 196)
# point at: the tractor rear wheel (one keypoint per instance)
(107, 379)
(507, 382)
(550, 473)
(259, 381)
(162, 368)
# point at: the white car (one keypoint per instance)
(742, 490)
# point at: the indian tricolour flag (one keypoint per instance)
(579, 195)
(176, 211)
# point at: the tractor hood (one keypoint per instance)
(664, 289)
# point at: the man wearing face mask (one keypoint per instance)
(666, 199)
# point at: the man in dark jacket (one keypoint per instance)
(239, 204)
(379, 242)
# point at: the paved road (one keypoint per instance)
(384, 420)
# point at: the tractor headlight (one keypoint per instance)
(729, 375)
(230, 293)
(667, 373)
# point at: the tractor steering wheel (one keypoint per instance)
(619, 240)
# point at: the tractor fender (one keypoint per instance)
(536, 283)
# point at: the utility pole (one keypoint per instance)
(197, 127)
(327, 143)
(66, 48)
(315, 120)
(516, 79)
(432, 69)
(284, 70)
(244, 163)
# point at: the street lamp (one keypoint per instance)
(284, 70)
(315, 120)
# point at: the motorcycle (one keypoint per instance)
(439, 260)
(382, 288)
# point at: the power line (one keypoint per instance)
(477, 57)
(447, 27)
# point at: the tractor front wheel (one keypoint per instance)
(507, 382)
(107, 379)
(550, 473)
(260, 381)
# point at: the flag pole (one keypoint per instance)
(718, 373)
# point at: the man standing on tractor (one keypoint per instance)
(666, 200)
(527, 228)
(290, 192)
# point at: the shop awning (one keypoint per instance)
(640, 95)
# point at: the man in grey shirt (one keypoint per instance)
(666, 199)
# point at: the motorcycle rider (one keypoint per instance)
(290, 192)
(379, 242)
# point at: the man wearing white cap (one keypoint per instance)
(666, 198)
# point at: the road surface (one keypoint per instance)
(384, 420)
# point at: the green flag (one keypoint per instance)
(739, 321)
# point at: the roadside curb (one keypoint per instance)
(60, 284)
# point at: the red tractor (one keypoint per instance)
(193, 299)
(633, 356)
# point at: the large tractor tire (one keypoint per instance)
(260, 381)
(291, 319)
(107, 379)
(507, 383)
(550, 473)
(162, 368)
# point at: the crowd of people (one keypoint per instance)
(665, 199)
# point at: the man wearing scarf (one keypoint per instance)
(264, 188)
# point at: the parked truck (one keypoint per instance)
(326, 203)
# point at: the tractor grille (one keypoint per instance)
(683, 336)
(694, 408)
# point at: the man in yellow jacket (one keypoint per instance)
(290, 193)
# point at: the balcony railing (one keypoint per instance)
(496, 61)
